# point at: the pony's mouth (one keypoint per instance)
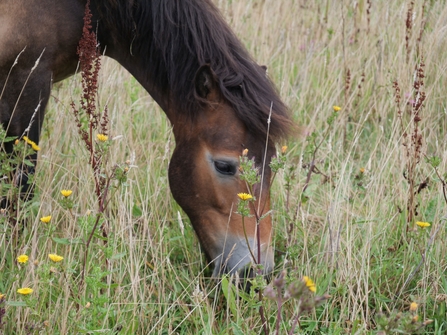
(239, 258)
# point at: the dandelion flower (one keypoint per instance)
(283, 149)
(66, 193)
(362, 170)
(2, 296)
(23, 259)
(310, 284)
(35, 146)
(413, 307)
(102, 137)
(244, 196)
(336, 108)
(25, 290)
(55, 258)
(45, 219)
(423, 224)
(245, 152)
(32, 143)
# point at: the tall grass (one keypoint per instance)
(348, 230)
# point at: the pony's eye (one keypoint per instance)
(225, 168)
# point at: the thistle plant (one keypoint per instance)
(12, 169)
(397, 322)
(302, 292)
(249, 173)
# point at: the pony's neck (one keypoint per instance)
(136, 65)
(132, 61)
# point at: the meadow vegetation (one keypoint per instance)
(350, 206)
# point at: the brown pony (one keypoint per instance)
(216, 97)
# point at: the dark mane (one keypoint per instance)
(177, 37)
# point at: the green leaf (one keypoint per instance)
(28, 162)
(16, 303)
(9, 139)
(119, 255)
(227, 290)
(64, 241)
(136, 211)
(236, 329)
(430, 211)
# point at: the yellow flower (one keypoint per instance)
(55, 258)
(362, 170)
(423, 224)
(45, 219)
(23, 259)
(35, 146)
(66, 193)
(413, 307)
(283, 149)
(310, 284)
(102, 137)
(244, 196)
(336, 108)
(245, 152)
(25, 290)
(2, 296)
(32, 143)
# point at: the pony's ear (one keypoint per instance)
(206, 84)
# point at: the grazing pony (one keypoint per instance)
(216, 97)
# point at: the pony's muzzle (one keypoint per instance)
(244, 260)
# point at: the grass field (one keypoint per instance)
(350, 225)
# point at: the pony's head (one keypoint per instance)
(204, 176)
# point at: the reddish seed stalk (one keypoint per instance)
(90, 63)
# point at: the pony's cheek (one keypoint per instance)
(182, 181)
